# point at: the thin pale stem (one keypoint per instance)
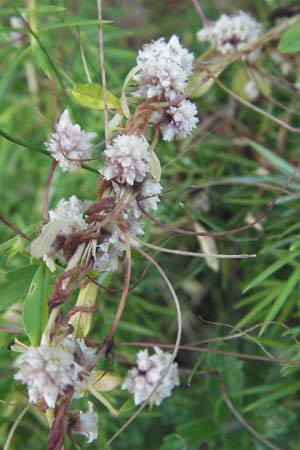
(175, 347)
(14, 427)
(183, 253)
(103, 74)
(82, 53)
(47, 191)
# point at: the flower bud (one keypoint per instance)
(81, 320)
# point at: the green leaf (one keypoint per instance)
(269, 271)
(91, 96)
(42, 60)
(39, 10)
(275, 160)
(36, 305)
(280, 393)
(7, 76)
(15, 285)
(285, 293)
(73, 23)
(290, 40)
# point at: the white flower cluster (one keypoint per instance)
(87, 424)
(48, 370)
(69, 145)
(163, 71)
(177, 122)
(164, 68)
(141, 380)
(231, 33)
(65, 219)
(127, 159)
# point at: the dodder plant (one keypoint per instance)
(81, 240)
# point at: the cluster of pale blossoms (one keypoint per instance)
(52, 370)
(229, 34)
(163, 69)
(142, 379)
(94, 235)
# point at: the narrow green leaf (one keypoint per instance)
(8, 75)
(285, 293)
(36, 305)
(91, 96)
(42, 60)
(290, 40)
(270, 270)
(15, 285)
(270, 156)
(281, 393)
(73, 23)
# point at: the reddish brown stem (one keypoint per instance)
(220, 233)
(194, 348)
(14, 228)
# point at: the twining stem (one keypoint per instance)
(108, 342)
(194, 348)
(14, 228)
(175, 347)
(200, 13)
(103, 74)
(240, 418)
(222, 233)
(183, 253)
(15, 425)
(85, 66)
(47, 191)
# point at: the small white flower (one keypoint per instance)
(141, 380)
(49, 370)
(16, 37)
(110, 250)
(69, 144)
(285, 66)
(127, 160)
(178, 121)
(87, 424)
(251, 90)
(65, 219)
(164, 68)
(230, 33)
(149, 192)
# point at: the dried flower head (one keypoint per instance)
(127, 159)
(69, 145)
(164, 68)
(65, 219)
(231, 33)
(178, 121)
(141, 380)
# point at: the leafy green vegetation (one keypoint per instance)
(239, 360)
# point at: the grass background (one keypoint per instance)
(196, 416)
